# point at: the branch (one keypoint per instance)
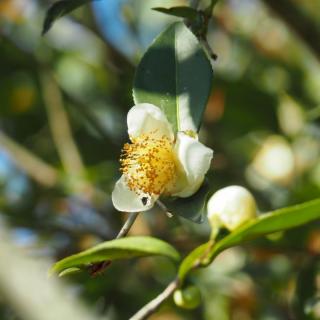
(128, 224)
(293, 16)
(60, 126)
(44, 173)
(28, 162)
(154, 304)
(99, 267)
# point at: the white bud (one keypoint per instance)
(231, 207)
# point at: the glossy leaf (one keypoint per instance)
(182, 12)
(192, 208)
(278, 220)
(124, 248)
(59, 9)
(175, 75)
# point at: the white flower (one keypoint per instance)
(231, 207)
(157, 162)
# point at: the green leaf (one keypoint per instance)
(278, 220)
(124, 248)
(69, 271)
(175, 75)
(192, 208)
(59, 9)
(182, 12)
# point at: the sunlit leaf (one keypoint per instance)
(278, 220)
(175, 75)
(125, 248)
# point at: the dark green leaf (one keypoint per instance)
(182, 12)
(59, 9)
(192, 208)
(175, 75)
(271, 222)
(124, 248)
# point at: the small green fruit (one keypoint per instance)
(187, 298)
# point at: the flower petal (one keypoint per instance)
(195, 159)
(146, 118)
(126, 200)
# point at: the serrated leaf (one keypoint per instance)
(181, 11)
(192, 208)
(124, 248)
(59, 9)
(175, 75)
(277, 220)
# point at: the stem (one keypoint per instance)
(99, 267)
(162, 206)
(154, 304)
(36, 168)
(128, 224)
(60, 126)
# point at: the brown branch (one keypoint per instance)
(154, 304)
(299, 22)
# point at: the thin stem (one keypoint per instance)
(162, 206)
(210, 52)
(154, 304)
(35, 167)
(60, 126)
(99, 267)
(128, 224)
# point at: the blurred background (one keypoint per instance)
(63, 103)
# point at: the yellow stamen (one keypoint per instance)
(148, 164)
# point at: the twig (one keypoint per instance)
(36, 168)
(42, 172)
(294, 17)
(60, 127)
(128, 224)
(207, 47)
(154, 304)
(99, 267)
(162, 206)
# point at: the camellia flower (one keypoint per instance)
(157, 162)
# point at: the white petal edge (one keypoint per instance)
(126, 200)
(195, 159)
(145, 118)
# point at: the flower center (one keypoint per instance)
(148, 164)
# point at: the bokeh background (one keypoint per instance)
(63, 103)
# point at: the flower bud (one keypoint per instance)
(187, 298)
(231, 207)
(274, 161)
